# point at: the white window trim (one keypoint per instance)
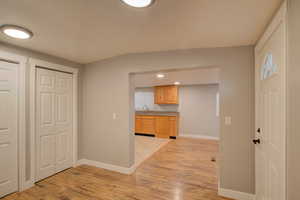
(34, 63)
(21, 62)
(218, 104)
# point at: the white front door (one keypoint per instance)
(53, 122)
(8, 128)
(270, 116)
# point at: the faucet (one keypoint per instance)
(145, 107)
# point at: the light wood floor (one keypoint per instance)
(146, 146)
(181, 170)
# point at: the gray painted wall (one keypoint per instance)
(106, 87)
(198, 113)
(293, 111)
(32, 54)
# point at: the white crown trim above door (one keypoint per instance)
(34, 63)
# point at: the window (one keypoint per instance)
(268, 67)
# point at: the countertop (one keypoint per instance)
(154, 112)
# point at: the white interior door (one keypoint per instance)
(53, 122)
(63, 121)
(270, 117)
(8, 128)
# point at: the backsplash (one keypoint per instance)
(144, 97)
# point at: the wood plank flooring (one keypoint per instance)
(181, 170)
(145, 147)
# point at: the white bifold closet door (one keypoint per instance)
(53, 122)
(8, 128)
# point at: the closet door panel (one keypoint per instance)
(45, 123)
(63, 151)
(63, 120)
(53, 122)
(8, 128)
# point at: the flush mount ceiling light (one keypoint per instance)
(160, 75)
(17, 32)
(138, 3)
(177, 83)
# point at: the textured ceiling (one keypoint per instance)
(89, 30)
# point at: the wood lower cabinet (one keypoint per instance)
(145, 124)
(160, 126)
(173, 126)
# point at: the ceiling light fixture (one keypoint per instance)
(177, 83)
(160, 76)
(138, 3)
(17, 32)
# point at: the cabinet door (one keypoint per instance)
(138, 124)
(166, 94)
(173, 125)
(145, 124)
(162, 127)
(171, 93)
(159, 95)
(148, 124)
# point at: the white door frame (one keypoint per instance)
(279, 18)
(21, 62)
(34, 63)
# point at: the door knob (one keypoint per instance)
(258, 130)
(256, 141)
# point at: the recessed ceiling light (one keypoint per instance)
(17, 32)
(138, 3)
(177, 83)
(160, 76)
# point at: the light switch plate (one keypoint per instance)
(227, 120)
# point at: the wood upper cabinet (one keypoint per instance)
(159, 96)
(166, 94)
(172, 94)
(160, 126)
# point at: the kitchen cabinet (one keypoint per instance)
(160, 126)
(166, 94)
(145, 124)
(173, 126)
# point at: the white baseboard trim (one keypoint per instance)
(27, 185)
(235, 194)
(115, 168)
(199, 137)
